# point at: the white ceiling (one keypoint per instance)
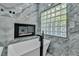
(11, 4)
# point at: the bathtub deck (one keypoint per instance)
(48, 54)
(5, 51)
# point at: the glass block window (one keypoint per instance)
(53, 20)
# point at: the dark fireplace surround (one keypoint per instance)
(23, 30)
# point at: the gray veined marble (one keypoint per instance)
(58, 46)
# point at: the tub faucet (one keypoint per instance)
(41, 36)
(41, 43)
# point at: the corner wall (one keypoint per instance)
(70, 46)
(29, 16)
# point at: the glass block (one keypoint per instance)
(59, 23)
(58, 29)
(63, 29)
(58, 18)
(57, 13)
(63, 5)
(63, 11)
(53, 33)
(43, 21)
(45, 13)
(56, 23)
(63, 23)
(42, 25)
(48, 20)
(58, 7)
(52, 9)
(48, 11)
(58, 33)
(42, 29)
(48, 16)
(63, 34)
(53, 24)
(49, 29)
(52, 19)
(53, 14)
(45, 32)
(53, 29)
(49, 24)
(49, 33)
(42, 14)
(44, 17)
(63, 17)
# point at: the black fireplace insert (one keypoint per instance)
(23, 30)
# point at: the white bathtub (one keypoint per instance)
(1, 49)
(27, 48)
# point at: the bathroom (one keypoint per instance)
(60, 29)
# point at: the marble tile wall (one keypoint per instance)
(66, 46)
(7, 24)
(58, 46)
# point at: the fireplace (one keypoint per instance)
(23, 30)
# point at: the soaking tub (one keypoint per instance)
(1, 49)
(27, 48)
